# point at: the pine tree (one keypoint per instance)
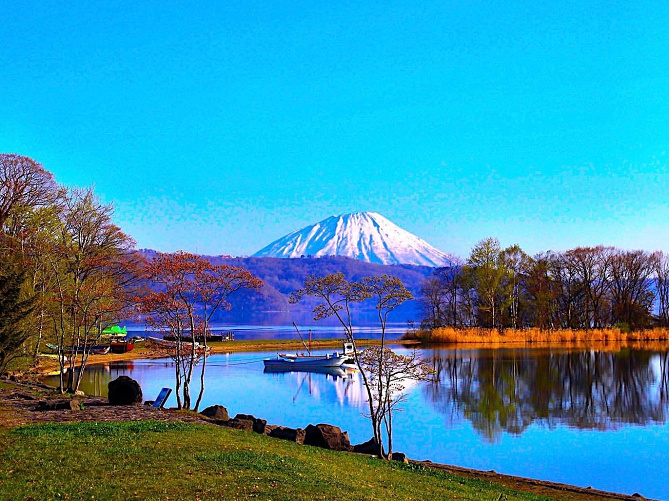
(13, 312)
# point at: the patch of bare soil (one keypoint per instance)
(19, 402)
(540, 487)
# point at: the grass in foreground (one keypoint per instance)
(161, 460)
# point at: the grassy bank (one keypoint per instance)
(538, 337)
(161, 460)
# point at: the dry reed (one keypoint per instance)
(538, 337)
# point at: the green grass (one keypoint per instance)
(159, 460)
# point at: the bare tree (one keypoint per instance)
(631, 295)
(590, 268)
(337, 297)
(389, 373)
(23, 183)
(661, 262)
(542, 291)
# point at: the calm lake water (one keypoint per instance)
(272, 328)
(589, 418)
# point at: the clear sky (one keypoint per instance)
(218, 127)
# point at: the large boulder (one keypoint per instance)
(259, 425)
(369, 447)
(290, 434)
(239, 424)
(327, 437)
(217, 412)
(124, 391)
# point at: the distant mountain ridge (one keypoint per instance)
(283, 276)
(366, 236)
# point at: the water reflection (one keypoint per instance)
(508, 390)
(582, 417)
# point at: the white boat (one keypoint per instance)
(303, 362)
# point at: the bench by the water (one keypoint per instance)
(162, 398)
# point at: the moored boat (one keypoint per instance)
(121, 346)
(99, 349)
(299, 361)
(306, 362)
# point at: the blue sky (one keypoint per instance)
(219, 128)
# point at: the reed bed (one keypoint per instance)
(535, 336)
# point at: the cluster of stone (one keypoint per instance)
(126, 391)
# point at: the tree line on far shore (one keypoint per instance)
(582, 288)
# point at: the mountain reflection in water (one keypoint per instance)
(508, 390)
(583, 417)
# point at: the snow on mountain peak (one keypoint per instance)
(367, 236)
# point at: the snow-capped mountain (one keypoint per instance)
(367, 236)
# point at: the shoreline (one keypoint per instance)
(48, 364)
(18, 412)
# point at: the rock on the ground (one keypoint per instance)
(290, 434)
(369, 447)
(124, 391)
(327, 436)
(239, 424)
(259, 425)
(56, 405)
(216, 412)
(400, 456)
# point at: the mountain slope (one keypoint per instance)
(367, 236)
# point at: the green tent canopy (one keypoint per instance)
(115, 330)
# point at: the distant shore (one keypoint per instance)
(447, 338)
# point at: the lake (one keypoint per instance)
(584, 417)
(272, 327)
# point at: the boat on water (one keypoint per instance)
(286, 362)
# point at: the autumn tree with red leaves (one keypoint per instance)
(191, 291)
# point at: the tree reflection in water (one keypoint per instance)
(508, 390)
